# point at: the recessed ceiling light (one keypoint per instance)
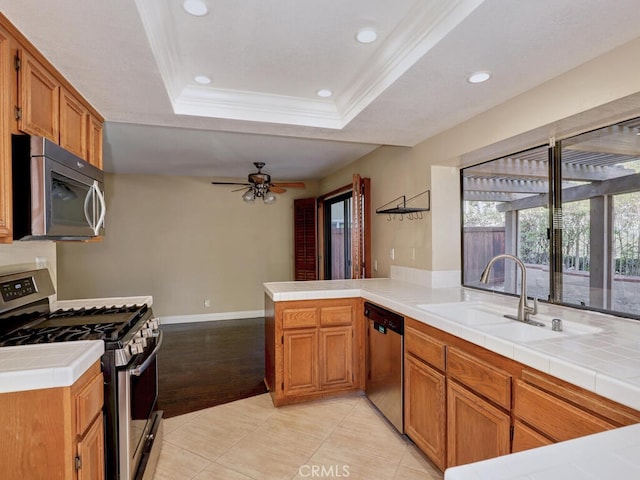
(367, 35)
(479, 77)
(202, 79)
(324, 93)
(195, 7)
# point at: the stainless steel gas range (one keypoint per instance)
(133, 425)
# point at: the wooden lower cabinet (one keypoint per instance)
(424, 408)
(476, 429)
(525, 438)
(300, 361)
(554, 417)
(336, 357)
(313, 348)
(54, 433)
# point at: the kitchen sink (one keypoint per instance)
(522, 332)
(469, 313)
(490, 320)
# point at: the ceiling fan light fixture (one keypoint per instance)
(269, 197)
(249, 196)
(197, 8)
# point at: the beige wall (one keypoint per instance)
(183, 240)
(21, 256)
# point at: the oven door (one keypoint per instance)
(137, 419)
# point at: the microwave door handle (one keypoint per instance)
(87, 203)
(103, 208)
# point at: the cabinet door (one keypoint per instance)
(300, 361)
(5, 144)
(476, 429)
(424, 409)
(336, 357)
(73, 124)
(90, 463)
(39, 99)
(94, 141)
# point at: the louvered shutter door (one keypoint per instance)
(304, 243)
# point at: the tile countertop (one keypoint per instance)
(607, 455)
(32, 367)
(607, 362)
(47, 365)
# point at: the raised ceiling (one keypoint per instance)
(135, 62)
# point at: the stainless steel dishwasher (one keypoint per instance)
(384, 385)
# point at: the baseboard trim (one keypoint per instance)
(210, 317)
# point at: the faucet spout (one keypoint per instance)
(524, 310)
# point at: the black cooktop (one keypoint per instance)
(100, 323)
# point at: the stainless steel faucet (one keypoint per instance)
(524, 310)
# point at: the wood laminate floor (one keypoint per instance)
(201, 365)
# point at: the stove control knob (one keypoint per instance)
(154, 323)
(135, 349)
(142, 342)
(137, 335)
(147, 332)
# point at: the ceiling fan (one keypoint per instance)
(260, 186)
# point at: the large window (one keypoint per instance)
(570, 211)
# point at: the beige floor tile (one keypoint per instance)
(316, 418)
(415, 459)
(270, 455)
(215, 471)
(406, 473)
(212, 433)
(331, 461)
(170, 424)
(176, 463)
(365, 430)
(258, 408)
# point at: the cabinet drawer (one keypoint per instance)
(525, 438)
(553, 416)
(299, 317)
(482, 378)
(425, 348)
(339, 315)
(89, 402)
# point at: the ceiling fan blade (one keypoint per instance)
(238, 189)
(288, 184)
(276, 189)
(229, 183)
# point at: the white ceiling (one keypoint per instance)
(135, 62)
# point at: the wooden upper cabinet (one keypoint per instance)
(73, 124)
(38, 99)
(6, 73)
(94, 141)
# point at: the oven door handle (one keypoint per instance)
(141, 368)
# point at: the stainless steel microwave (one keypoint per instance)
(56, 194)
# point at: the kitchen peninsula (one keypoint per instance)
(593, 364)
